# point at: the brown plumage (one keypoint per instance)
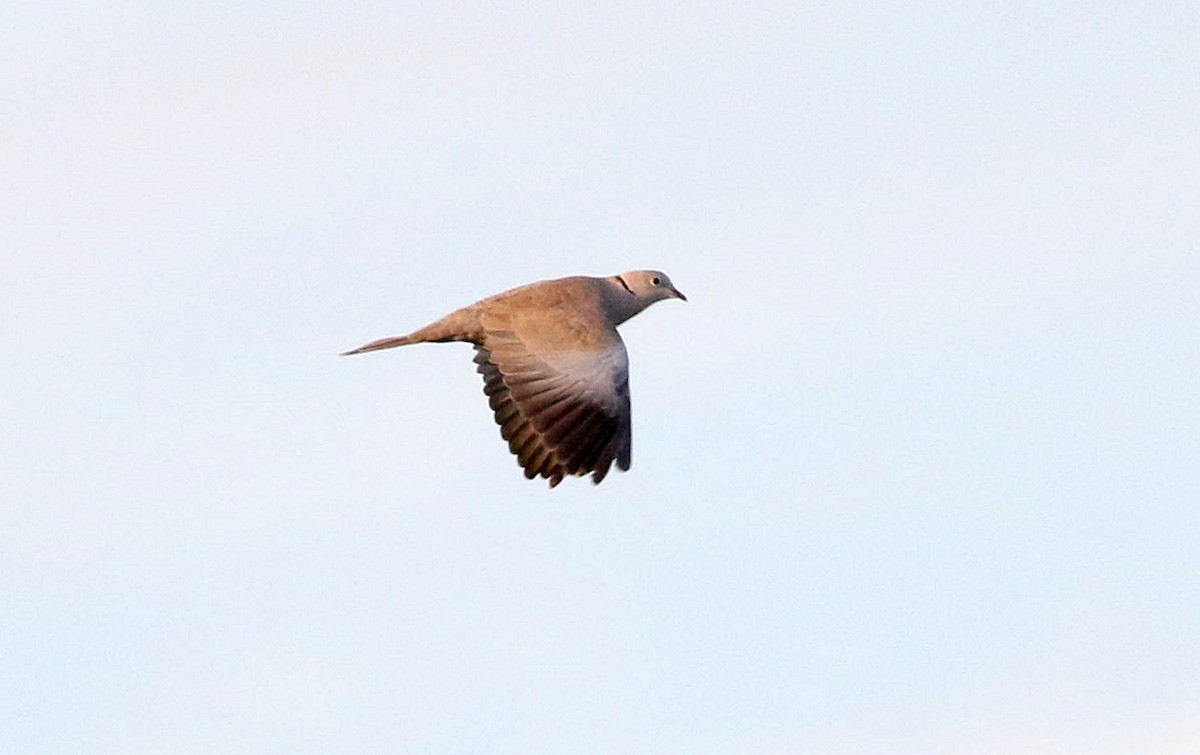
(554, 368)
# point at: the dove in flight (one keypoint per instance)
(554, 368)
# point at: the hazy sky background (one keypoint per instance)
(916, 470)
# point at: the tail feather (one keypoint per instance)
(383, 343)
(461, 325)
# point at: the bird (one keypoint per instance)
(555, 370)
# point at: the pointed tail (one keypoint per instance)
(383, 343)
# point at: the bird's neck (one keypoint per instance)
(620, 301)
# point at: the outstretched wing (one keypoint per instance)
(563, 413)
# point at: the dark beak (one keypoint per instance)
(678, 294)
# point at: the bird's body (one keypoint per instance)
(554, 367)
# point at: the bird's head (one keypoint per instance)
(649, 286)
(631, 292)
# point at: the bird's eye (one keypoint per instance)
(655, 281)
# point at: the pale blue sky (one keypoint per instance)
(915, 470)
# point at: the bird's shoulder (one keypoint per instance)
(566, 314)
